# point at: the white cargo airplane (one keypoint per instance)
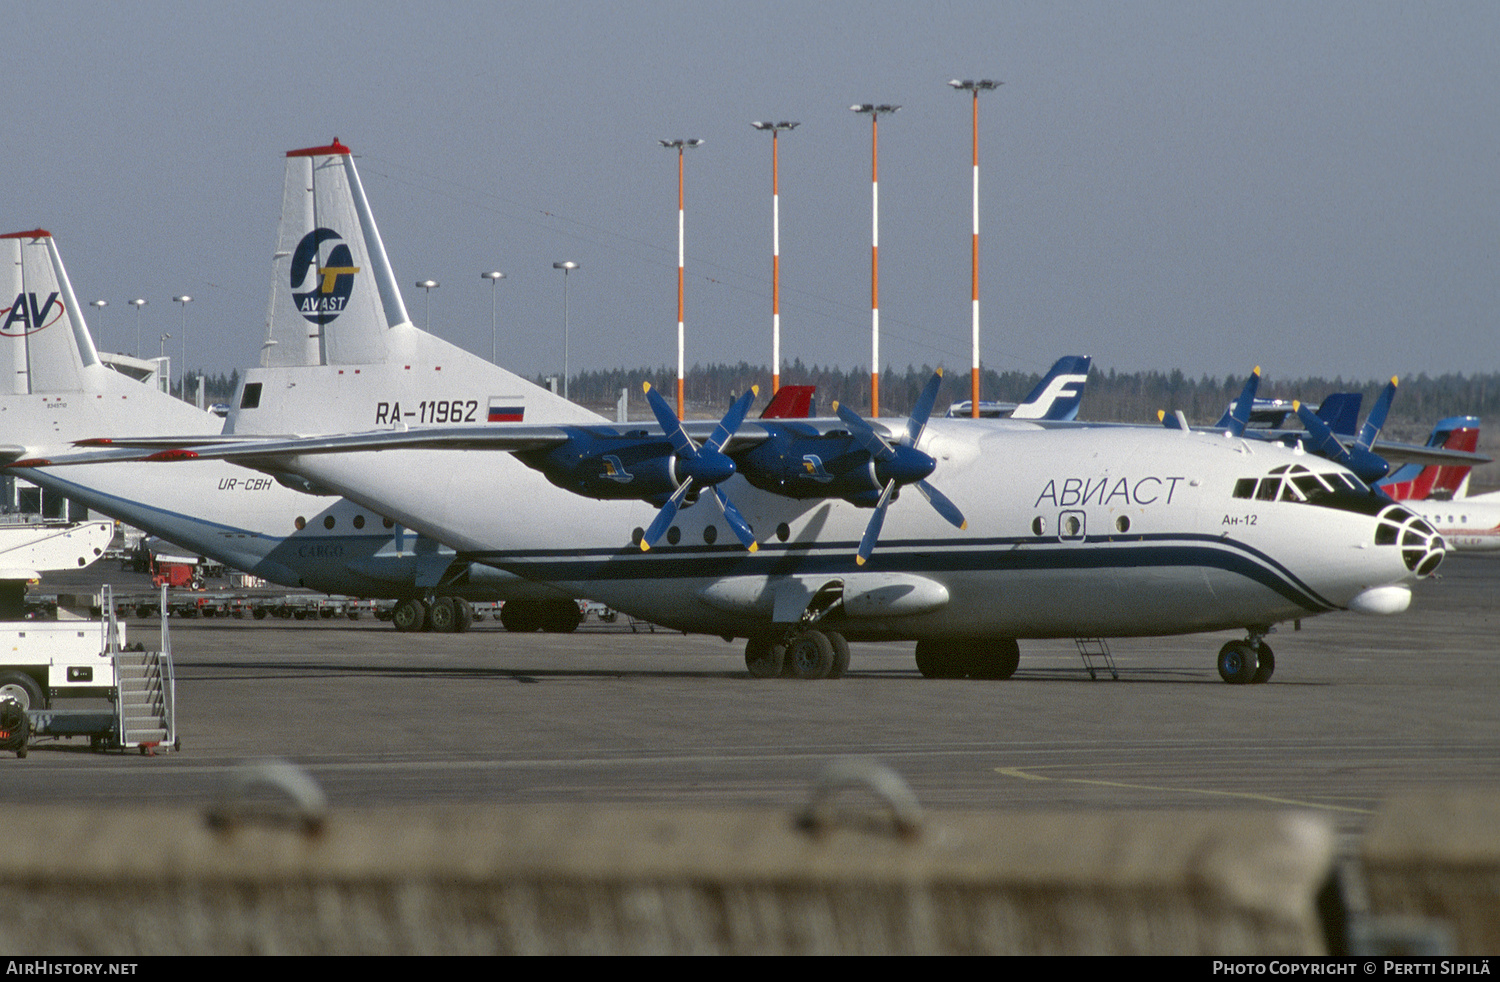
(1037, 533)
(57, 388)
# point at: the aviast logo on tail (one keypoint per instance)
(334, 281)
(26, 316)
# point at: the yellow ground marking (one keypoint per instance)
(1020, 774)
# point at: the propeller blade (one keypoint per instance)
(917, 422)
(1368, 466)
(872, 531)
(1375, 422)
(862, 431)
(664, 517)
(944, 507)
(1321, 439)
(670, 424)
(732, 419)
(737, 523)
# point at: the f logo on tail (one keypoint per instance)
(334, 280)
(1058, 387)
(25, 316)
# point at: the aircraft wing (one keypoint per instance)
(509, 437)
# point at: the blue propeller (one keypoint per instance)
(706, 466)
(1359, 458)
(900, 465)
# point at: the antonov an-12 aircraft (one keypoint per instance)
(801, 536)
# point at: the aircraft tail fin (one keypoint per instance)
(1341, 412)
(44, 343)
(791, 402)
(1415, 482)
(333, 292)
(1060, 392)
(341, 353)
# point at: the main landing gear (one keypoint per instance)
(1247, 662)
(448, 615)
(977, 658)
(802, 654)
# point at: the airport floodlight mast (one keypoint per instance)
(429, 286)
(494, 276)
(975, 87)
(874, 111)
(99, 305)
(680, 146)
(138, 303)
(567, 267)
(775, 130)
(183, 300)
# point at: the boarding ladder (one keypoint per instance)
(145, 686)
(1092, 649)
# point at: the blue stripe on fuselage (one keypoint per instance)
(911, 556)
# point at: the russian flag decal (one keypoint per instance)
(505, 409)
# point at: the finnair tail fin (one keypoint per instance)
(341, 354)
(44, 344)
(1414, 482)
(1060, 392)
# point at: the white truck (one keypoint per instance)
(41, 660)
(50, 660)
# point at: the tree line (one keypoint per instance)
(1111, 396)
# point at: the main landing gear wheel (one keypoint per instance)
(977, 658)
(443, 617)
(409, 615)
(994, 660)
(840, 655)
(809, 655)
(764, 658)
(1239, 661)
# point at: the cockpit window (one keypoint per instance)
(1294, 482)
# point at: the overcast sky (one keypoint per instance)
(1313, 187)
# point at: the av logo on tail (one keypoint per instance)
(25, 316)
(334, 281)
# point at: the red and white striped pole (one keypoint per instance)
(775, 130)
(680, 146)
(874, 112)
(975, 88)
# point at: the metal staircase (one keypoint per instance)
(146, 689)
(1091, 649)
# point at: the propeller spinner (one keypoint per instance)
(705, 466)
(900, 465)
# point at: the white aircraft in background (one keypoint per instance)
(1038, 532)
(1439, 492)
(56, 388)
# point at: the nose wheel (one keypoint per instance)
(1247, 662)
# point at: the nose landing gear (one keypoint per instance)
(1247, 662)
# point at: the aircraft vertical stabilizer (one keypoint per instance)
(39, 297)
(340, 349)
(333, 293)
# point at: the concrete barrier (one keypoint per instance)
(593, 880)
(1431, 864)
